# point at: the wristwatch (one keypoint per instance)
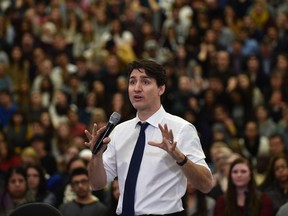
(184, 161)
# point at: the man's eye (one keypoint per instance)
(146, 82)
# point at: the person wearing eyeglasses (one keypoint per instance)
(85, 203)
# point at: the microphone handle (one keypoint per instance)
(105, 134)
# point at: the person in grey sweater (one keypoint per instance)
(85, 203)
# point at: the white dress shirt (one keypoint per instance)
(161, 182)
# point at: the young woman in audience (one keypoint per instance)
(242, 196)
(37, 184)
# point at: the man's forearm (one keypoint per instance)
(199, 176)
(97, 174)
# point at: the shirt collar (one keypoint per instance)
(155, 118)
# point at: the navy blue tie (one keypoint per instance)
(130, 183)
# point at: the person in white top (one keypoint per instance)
(172, 153)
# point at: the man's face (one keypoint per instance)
(276, 146)
(144, 93)
(80, 185)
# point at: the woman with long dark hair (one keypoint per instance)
(242, 196)
(37, 184)
(15, 191)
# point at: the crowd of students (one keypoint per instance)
(63, 68)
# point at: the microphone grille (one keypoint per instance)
(114, 118)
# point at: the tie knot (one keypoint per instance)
(143, 125)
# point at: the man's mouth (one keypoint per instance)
(138, 97)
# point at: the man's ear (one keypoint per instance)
(161, 90)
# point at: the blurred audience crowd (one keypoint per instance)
(63, 68)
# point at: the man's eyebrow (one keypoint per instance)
(141, 77)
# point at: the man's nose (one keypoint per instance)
(137, 86)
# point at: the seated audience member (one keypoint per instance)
(242, 196)
(29, 157)
(78, 161)
(37, 185)
(197, 203)
(15, 191)
(254, 147)
(47, 160)
(275, 183)
(276, 145)
(8, 158)
(219, 154)
(84, 204)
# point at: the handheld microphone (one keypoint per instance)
(114, 119)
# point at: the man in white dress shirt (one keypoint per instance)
(172, 153)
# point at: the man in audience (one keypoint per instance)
(85, 204)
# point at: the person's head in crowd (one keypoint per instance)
(45, 67)
(78, 141)
(39, 56)
(15, 190)
(251, 130)
(219, 133)
(282, 63)
(261, 113)
(36, 178)
(71, 152)
(98, 87)
(16, 183)
(59, 44)
(76, 162)
(99, 117)
(49, 29)
(219, 153)
(79, 182)
(39, 143)
(37, 127)
(122, 84)
(276, 144)
(29, 157)
(5, 98)
(62, 59)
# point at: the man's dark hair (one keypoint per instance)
(78, 171)
(152, 69)
(277, 135)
